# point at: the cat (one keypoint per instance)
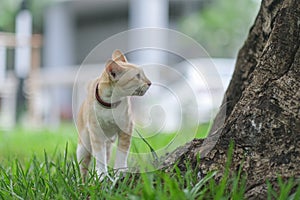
(106, 114)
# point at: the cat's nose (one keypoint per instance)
(149, 84)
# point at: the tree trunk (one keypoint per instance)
(262, 102)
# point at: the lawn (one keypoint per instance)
(41, 164)
(22, 143)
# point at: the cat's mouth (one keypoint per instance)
(140, 91)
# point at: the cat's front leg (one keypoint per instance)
(124, 140)
(99, 152)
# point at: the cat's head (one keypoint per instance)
(127, 79)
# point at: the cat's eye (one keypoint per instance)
(138, 76)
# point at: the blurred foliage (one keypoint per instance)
(9, 9)
(222, 25)
(7, 13)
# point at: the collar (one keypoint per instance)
(103, 103)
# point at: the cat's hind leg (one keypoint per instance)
(83, 153)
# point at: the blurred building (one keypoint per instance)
(73, 28)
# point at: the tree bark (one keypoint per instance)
(261, 105)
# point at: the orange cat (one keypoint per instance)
(106, 113)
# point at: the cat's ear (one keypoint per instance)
(118, 56)
(113, 70)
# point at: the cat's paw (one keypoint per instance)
(120, 173)
(104, 176)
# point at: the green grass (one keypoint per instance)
(42, 165)
(22, 143)
(60, 179)
(162, 140)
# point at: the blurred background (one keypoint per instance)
(43, 43)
